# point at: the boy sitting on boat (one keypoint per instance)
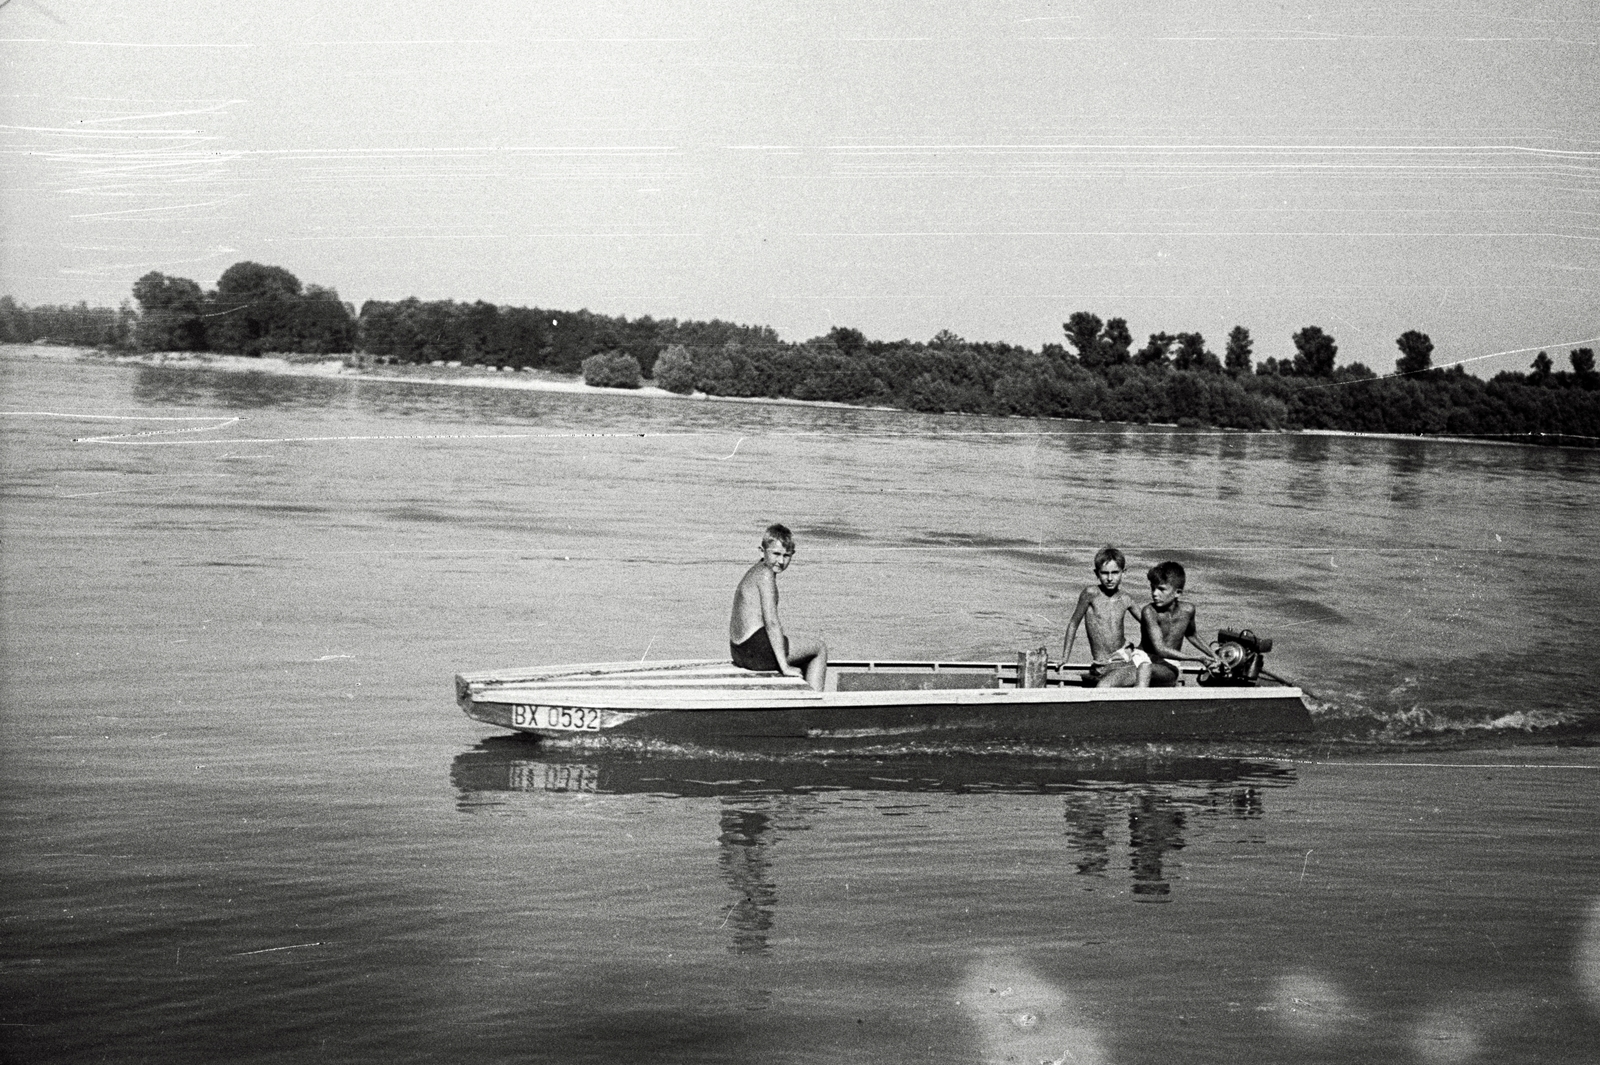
(756, 639)
(1105, 606)
(1165, 623)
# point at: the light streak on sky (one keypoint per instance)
(901, 168)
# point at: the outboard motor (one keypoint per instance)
(1239, 653)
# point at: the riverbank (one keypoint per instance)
(344, 367)
(450, 374)
(353, 368)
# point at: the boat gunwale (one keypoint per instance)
(712, 700)
(635, 672)
(707, 689)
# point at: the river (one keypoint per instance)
(244, 820)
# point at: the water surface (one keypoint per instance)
(243, 819)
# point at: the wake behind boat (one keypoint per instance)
(867, 702)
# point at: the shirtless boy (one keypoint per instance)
(1117, 663)
(755, 635)
(1165, 624)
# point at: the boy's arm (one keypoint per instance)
(1156, 643)
(1152, 639)
(1072, 626)
(774, 628)
(1206, 654)
(1155, 640)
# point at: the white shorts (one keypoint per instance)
(1133, 655)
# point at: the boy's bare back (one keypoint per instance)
(750, 599)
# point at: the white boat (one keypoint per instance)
(866, 702)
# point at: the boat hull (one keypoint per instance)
(865, 703)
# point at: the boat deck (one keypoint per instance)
(864, 698)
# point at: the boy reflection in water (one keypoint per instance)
(743, 844)
(1086, 831)
(1155, 826)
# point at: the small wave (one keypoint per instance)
(1421, 724)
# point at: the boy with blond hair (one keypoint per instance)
(756, 639)
(1105, 606)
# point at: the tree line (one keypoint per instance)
(1099, 375)
(1098, 372)
(80, 325)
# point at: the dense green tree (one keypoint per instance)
(1116, 342)
(642, 339)
(845, 341)
(382, 333)
(1083, 333)
(571, 338)
(1416, 352)
(1155, 352)
(528, 337)
(1174, 378)
(1236, 357)
(611, 369)
(322, 323)
(1098, 343)
(479, 326)
(1540, 369)
(1583, 367)
(827, 371)
(521, 336)
(1314, 352)
(253, 310)
(712, 334)
(674, 370)
(171, 314)
(258, 308)
(1029, 386)
(1190, 353)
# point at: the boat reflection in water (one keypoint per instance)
(1094, 905)
(1139, 806)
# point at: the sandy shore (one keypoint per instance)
(341, 368)
(330, 366)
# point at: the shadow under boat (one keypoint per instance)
(521, 763)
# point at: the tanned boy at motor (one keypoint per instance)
(1165, 624)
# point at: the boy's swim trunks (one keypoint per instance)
(756, 652)
(1129, 655)
(1133, 655)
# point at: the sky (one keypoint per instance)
(899, 168)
